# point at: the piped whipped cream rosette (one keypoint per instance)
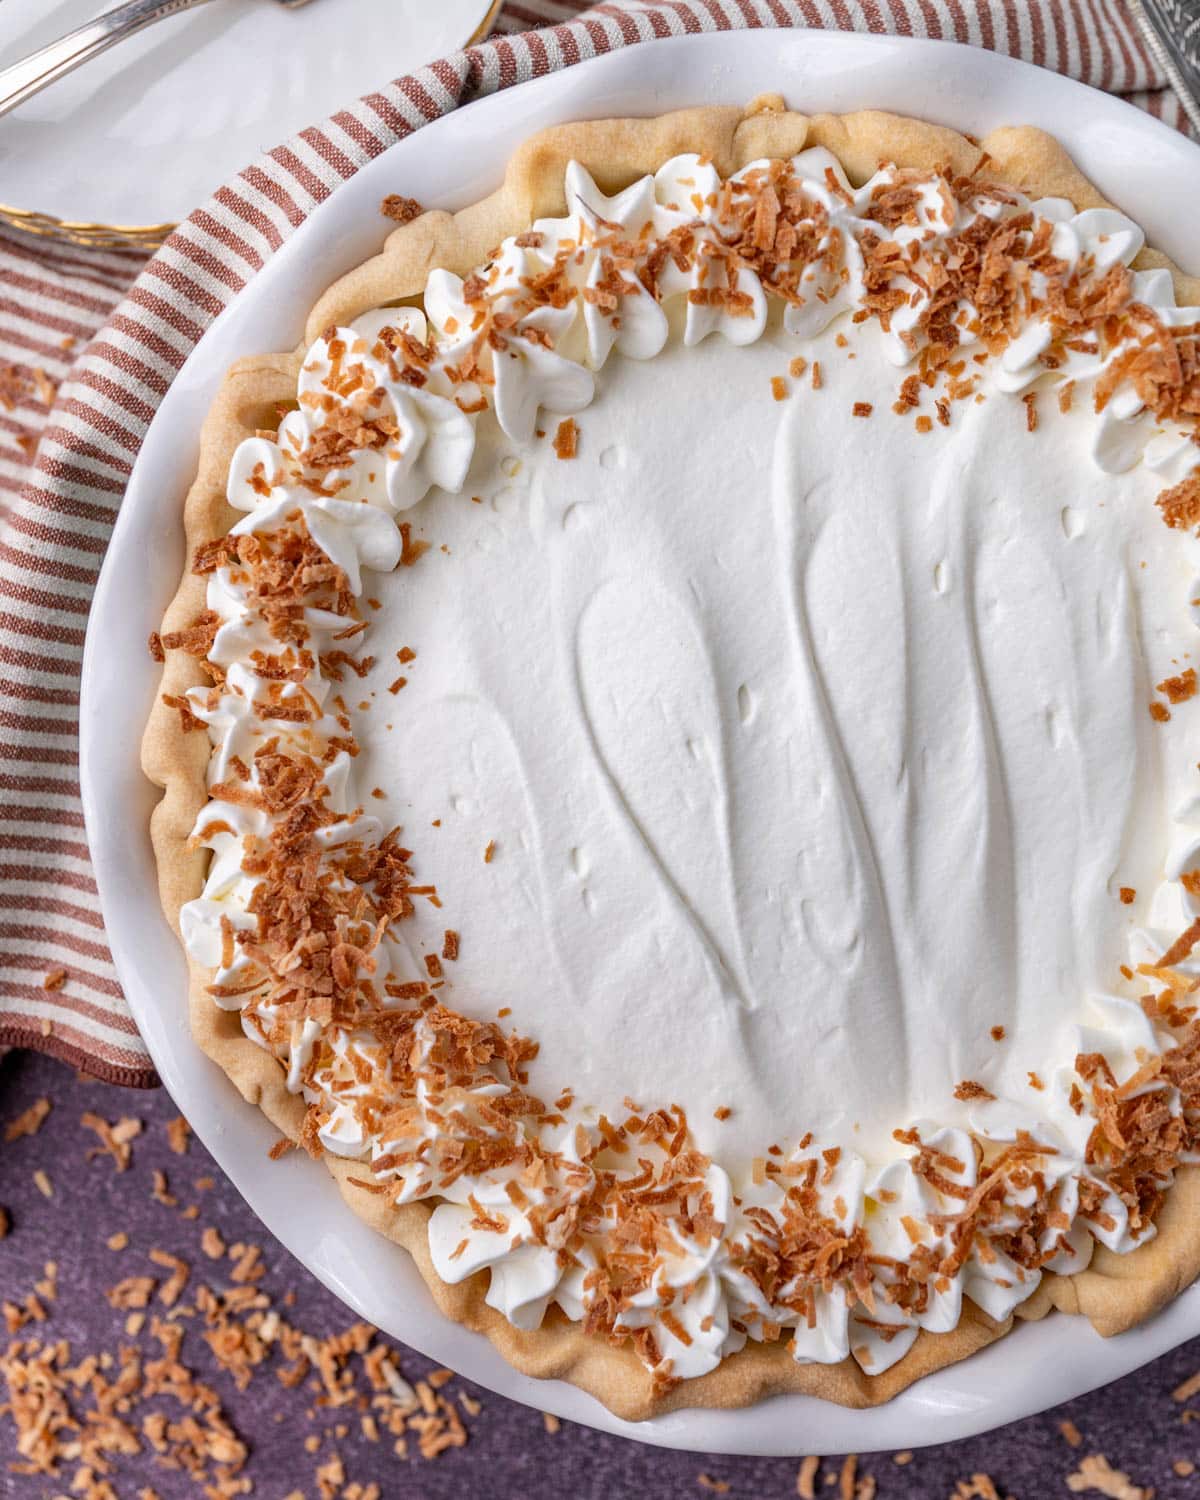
(608, 1209)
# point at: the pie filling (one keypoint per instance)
(792, 745)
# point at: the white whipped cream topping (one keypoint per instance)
(794, 731)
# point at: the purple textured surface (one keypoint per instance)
(1134, 1422)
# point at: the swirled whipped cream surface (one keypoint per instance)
(784, 754)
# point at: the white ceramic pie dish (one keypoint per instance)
(1138, 162)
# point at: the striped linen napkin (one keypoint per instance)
(90, 341)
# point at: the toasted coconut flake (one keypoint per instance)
(1180, 505)
(179, 1133)
(1187, 1388)
(1096, 1474)
(969, 1090)
(1179, 689)
(28, 1122)
(566, 439)
(978, 1487)
(806, 1478)
(1181, 947)
(410, 551)
(115, 1140)
(402, 210)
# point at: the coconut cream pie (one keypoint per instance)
(679, 752)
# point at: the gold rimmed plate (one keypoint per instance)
(115, 154)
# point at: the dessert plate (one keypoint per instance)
(176, 110)
(1131, 157)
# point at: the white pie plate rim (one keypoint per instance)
(1138, 161)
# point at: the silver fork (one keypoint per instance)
(45, 66)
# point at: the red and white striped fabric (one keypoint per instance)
(109, 330)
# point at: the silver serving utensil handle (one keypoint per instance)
(49, 63)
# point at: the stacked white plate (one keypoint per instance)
(146, 131)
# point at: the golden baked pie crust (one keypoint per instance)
(1116, 1291)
